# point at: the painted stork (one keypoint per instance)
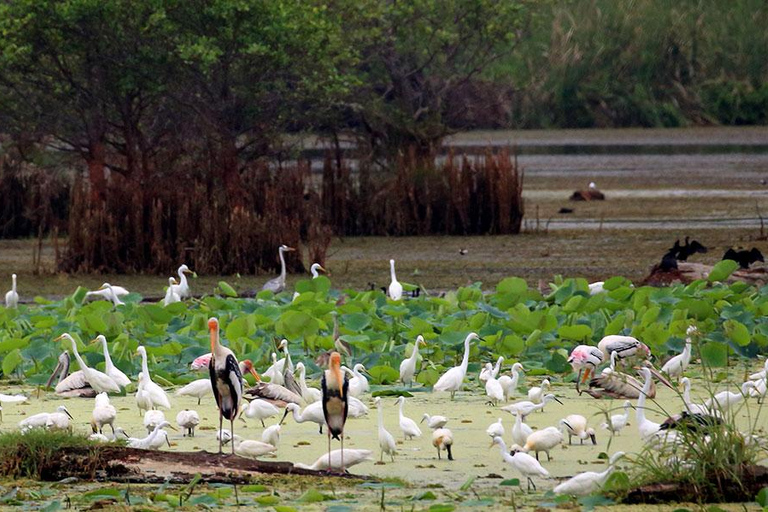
(335, 403)
(226, 380)
(585, 359)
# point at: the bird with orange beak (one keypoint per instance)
(585, 359)
(335, 385)
(226, 380)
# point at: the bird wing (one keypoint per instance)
(271, 391)
(12, 399)
(619, 385)
(75, 380)
(290, 383)
(274, 285)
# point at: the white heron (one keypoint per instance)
(40, 419)
(536, 393)
(453, 379)
(509, 384)
(724, 400)
(496, 429)
(395, 288)
(490, 369)
(588, 482)
(199, 389)
(618, 421)
(576, 425)
(526, 407)
(157, 394)
(358, 384)
(143, 399)
(408, 366)
(386, 440)
(277, 284)
(542, 441)
(150, 442)
(309, 395)
(110, 293)
(761, 374)
(104, 413)
(434, 422)
(520, 431)
(597, 288)
(171, 295)
(260, 410)
(645, 427)
(188, 420)
(12, 296)
(442, 439)
(271, 435)
(182, 289)
(99, 381)
(526, 465)
(338, 460)
(408, 427)
(152, 419)
(689, 405)
(493, 389)
(675, 367)
(110, 369)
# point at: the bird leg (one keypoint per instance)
(530, 483)
(438, 453)
(262, 424)
(342, 452)
(450, 455)
(198, 400)
(330, 466)
(221, 434)
(232, 429)
(578, 380)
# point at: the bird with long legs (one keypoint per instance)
(588, 482)
(509, 384)
(585, 359)
(408, 365)
(70, 385)
(226, 380)
(335, 387)
(386, 440)
(675, 367)
(182, 289)
(12, 296)
(395, 288)
(453, 379)
(99, 381)
(156, 394)
(522, 462)
(277, 284)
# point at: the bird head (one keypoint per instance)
(285, 248)
(591, 434)
(420, 340)
(63, 409)
(65, 336)
(248, 365)
(184, 269)
(172, 281)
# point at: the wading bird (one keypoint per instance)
(109, 368)
(492, 370)
(154, 440)
(617, 384)
(576, 425)
(526, 465)
(408, 366)
(588, 482)
(408, 427)
(156, 394)
(542, 441)
(626, 347)
(110, 293)
(99, 381)
(335, 386)
(12, 296)
(526, 407)
(434, 422)
(188, 420)
(271, 435)
(39, 420)
(724, 400)
(182, 289)
(509, 384)
(442, 439)
(338, 459)
(675, 367)
(310, 395)
(536, 393)
(260, 410)
(170, 293)
(226, 380)
(618, 421)
(153, 419)
(494, 390)
(520, 431)
(358, 384)
(386, 440)
(70, 385)
(585, 359)
(59, 420)
(395, 288)
(249, 448)
(313, 413)
(496, 429)
(277, 395)
(277, 284)
(689, 405)
(197, 388)
(645, 427)
(453, 379)
(104, 413)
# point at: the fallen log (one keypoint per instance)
(686, 273)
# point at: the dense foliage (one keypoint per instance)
(515, 321)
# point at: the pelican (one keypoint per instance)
(442, 439)
(675, 367)
(509, 384)
(526, 407)
(434, 422)
(249, 448)
(197, 388)
(12, 296)
(182, 289)
(491, 370)
(187, 420)
(335, 402)
(70, 385)
(151, 441)
(152, 419)
(358, 384)
(585, 359)
(274, 393)
(408, 366)
(386, 441)
(171, 294)
(542, 441)
(312, 413)
(226, 380)
(271, 435)
(338, 459)
(588, 482)
(260, 410)
(727, 399)
(408, 427)
(618, 421)
(110, 293)
(99, 381)
(496, 429)
(112, 371)
(395, 288)
(520, 431)
(536, 393)
(277, 284)
(104, 413)
(454, 378)
(310, 395)
(576, 425)
(157, 394)
(522, 462)
(39, 420)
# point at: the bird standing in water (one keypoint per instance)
(226, 380)
(335, 385)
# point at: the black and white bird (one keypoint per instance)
(335, 385)
(226, 380)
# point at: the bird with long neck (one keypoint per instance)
(226, 380)
(646, 427)
(408, 366)
(454, 378)
(395, 288)
(335, 385)
(111, 370)
(182, 289)
(12, 297)
(99, 381)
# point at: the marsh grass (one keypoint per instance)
(38, 452)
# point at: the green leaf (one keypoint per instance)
(722, 270)
(424, 496)
(285, 508)
(466, 485)
(237, 328)
(714, 354)
(578, 332)
(53, 506)
(11, 361)
(617, 481)
(737, 332)
(254, 488)
(313, 496)
(442, 507)
(108, 492)
(514, 285)
(356, 321)
(762, 497)
(226, 289)
(512, 482)
(267, 500)
(384, 374)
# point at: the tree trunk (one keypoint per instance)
(96, 159)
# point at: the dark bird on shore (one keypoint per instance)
(744, 258)
(226, 380)
(335, 385)
(565, 210)
(669, 261)
(463, 252)
(689, 249)
(691, 421)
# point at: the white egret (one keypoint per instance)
(509, 384)
(143, 399)
(520, 431)
(526, 407)
(395, 288)
(493, 389)
(408, 366)
(760, 390)
(761, 374)
(645, 427)
(542, 441)
(526, 465)
(618, 421)
(335, 460)
(496, 429)
(442, 439)
(110, 293)
(335, 386)
(408, 427)
(386, 440)
(152, 419)
(588, 482)
(151, 441)
(188, 420)
(453, 379)
(39, 420)
(277, 284)
(689, 405)
(199, 389)
(275, 372)
(536, 393)
(271, 435)
(98, 380)
(171, 295)
(260, 410)
(576, 425)
(110, 369)
(491, 370)
(12, 296)
(434, 422)
(157, 394)
(675, 367)
(104, 413)
(59, 420)
(309, 395)
(726, 399)
(182, 289)
(226, 379)
(597, 287)
(358, 384)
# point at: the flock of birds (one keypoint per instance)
(605, 370)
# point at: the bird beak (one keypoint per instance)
(423, 343)
(422, 420)
(661, 378)
(290, 249)
(173, 428)
(93, 341)
(585, 376)
(255, 374)
(283, 418)
(59, 338)
(567, 425)
(70, 416)
(594, 438)
(558, 401)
